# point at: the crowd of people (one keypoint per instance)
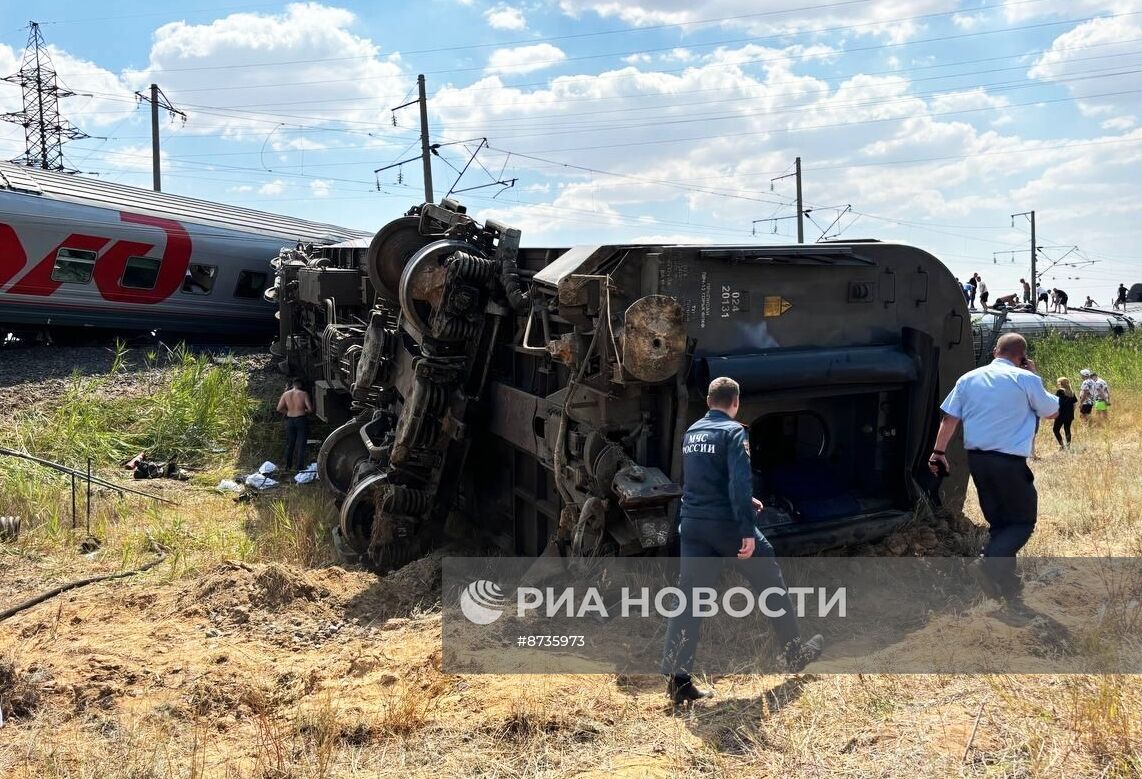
(1053, 300)
(1092, 401)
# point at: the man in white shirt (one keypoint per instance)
(982, 293)
(1041, 297)
(999, 405)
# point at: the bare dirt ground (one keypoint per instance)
(249, 654)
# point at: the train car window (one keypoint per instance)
(141, 272)
(73, 265)
(250, 284)
(199, 279)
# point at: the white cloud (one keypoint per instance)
(504, 17)
(1062, 63)
(1119, 123)
(233, 74)
(320, 188)
(296, 143)
(881, 18)
(966, 100)
(275, 187)
(524, 59)
(637, 59)
(1022, 10)
(967, 21)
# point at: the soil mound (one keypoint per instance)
(272, 587)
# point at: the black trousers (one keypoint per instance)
(1009, 502)
(1063, 425)
(705, 544)
(296, 429)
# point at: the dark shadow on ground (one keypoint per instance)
(736, 725)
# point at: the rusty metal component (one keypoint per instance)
(427, 285)
(425, 261)
(654, 338)
(641, 488)
(339, 455)
(563, 348)
(390, 250)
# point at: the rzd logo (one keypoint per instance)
(109, 267)
(482, 602)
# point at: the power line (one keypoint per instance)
(1007, 86)
(751, 61)
(560, 120)
(752, 40)
(771, 131)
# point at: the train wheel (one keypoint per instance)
(339, 455)
(358, 512)
(390, 250)
(358, 516)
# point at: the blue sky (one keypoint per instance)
(623, 121)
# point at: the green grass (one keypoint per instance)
(1118, 360)
(198, 411)
(192, 409)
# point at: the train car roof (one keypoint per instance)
(106, 194)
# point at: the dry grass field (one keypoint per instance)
(247, 653)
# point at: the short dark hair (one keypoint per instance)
(297, 383)
(723, 392)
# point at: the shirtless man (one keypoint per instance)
(294, 403)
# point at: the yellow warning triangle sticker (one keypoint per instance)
(775, 305)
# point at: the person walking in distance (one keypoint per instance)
(982, 293)
(1066, 417)
(973, 288)
(1120, 300)
(1100, 393)
(1026, 290)
(999, 404)
(295, 404)
(1086, 395)
(717, 521)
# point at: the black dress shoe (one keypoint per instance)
(685, 691)
(799, 654)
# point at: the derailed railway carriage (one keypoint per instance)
(539, 395)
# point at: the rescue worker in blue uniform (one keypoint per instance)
(717, 520)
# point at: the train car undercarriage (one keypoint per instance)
(536, 397)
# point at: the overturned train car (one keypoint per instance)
(537, 396)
